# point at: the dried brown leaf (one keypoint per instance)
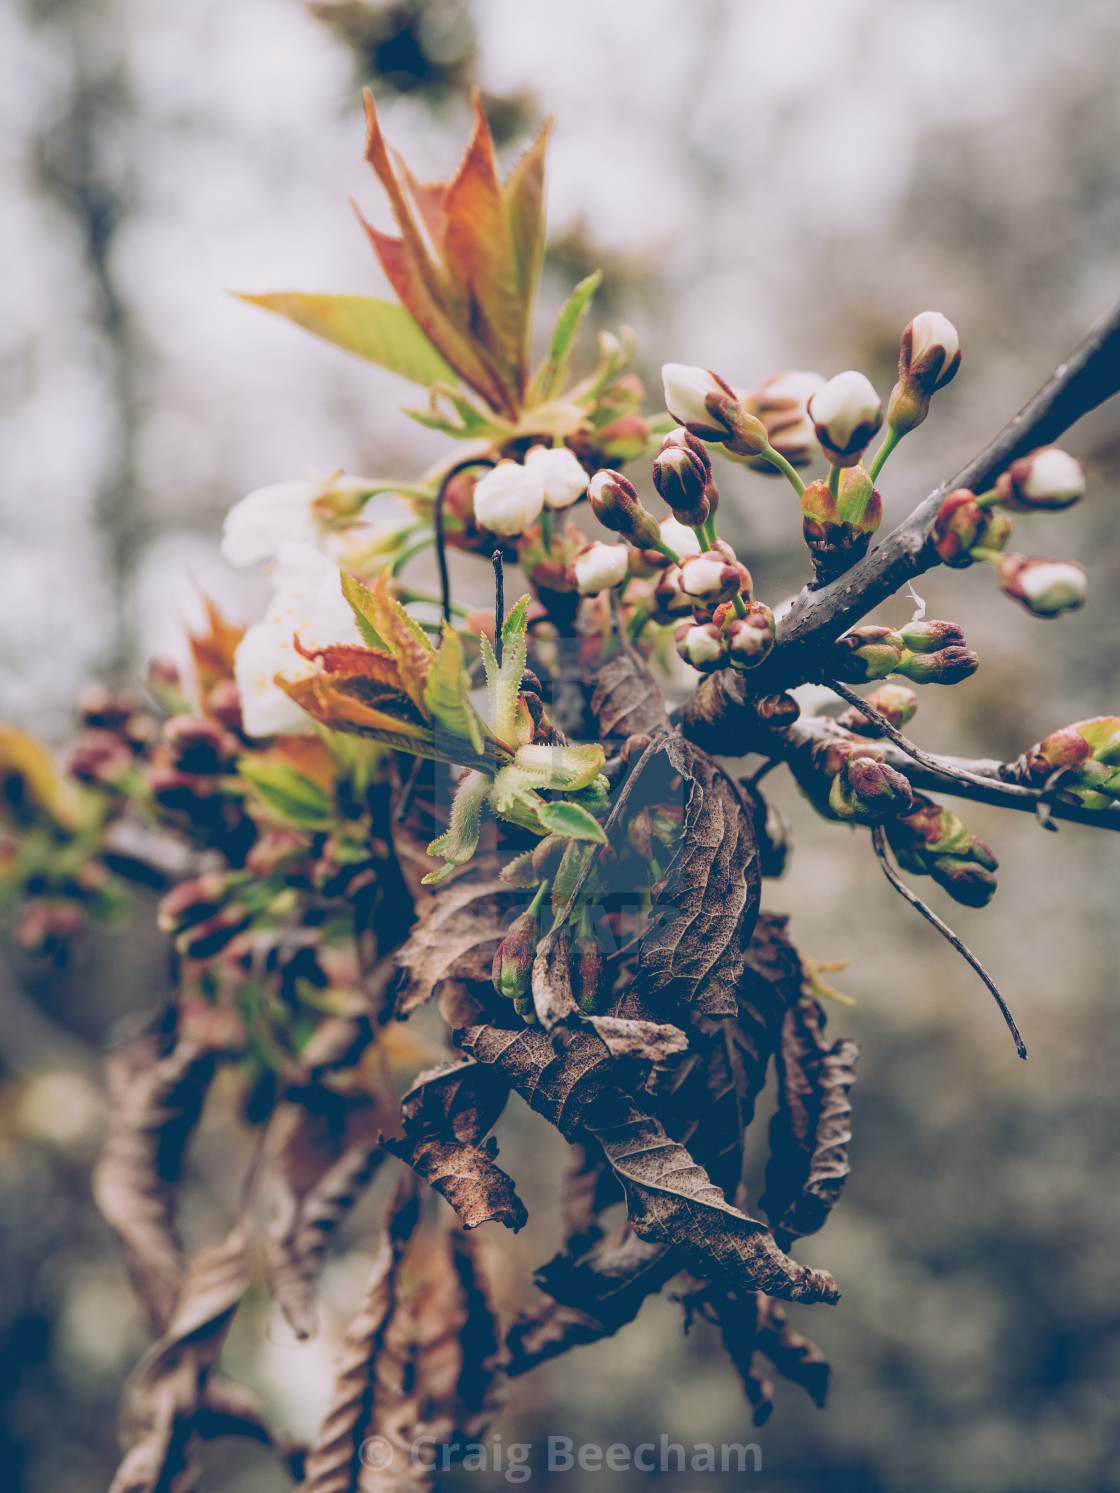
(455, 938)
(588, 1189)
(811, 1129)
(446, 1115)
(331, 1150)
(706, 906)
(794, 1356)
(626, 700)
(155, 1098)
(553, 1000)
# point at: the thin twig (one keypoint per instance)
(909, 747)
(611, 820)
(499, 603)
(409, 792)
(437, 525)
(879, 840)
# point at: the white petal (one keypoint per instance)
(679, 537)
(1054, 473)
(255, 528)
(508, 498)
(844, 404)
(562, 478)
(686, 388)
(600, 567)
(929, 330)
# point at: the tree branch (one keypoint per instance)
(1086, 379)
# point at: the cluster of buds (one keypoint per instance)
(930, 652)
(781, 403)
(929, 356)
(117, 735)
(512, 494)
(838, 526)
(932, 841)
(1082, 760)
(682, 474)
(866, 791)
(963, 526)
(203, 914)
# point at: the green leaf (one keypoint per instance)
(571, 821)
(445, 693)
(381, 332)
(288, 793)
(564, 767)
(460, 840)
(514, 796)
(505, 682)
(552, 373)
(362, 605)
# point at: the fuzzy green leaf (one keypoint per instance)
(445, 693)
(460, 839)
(361, 604)
(505, 682)
(572, 821)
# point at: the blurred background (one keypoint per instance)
(766, 187)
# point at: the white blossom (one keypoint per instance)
(1053, 586)
(562, 478)
(929, 331)
(686, 390)
(259, 524)
(846, 414)
(679, 537)
(508, 498)
(307, 602)
(1053, 477)
(601, 566)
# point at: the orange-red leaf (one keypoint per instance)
(212, 649)
(523, 196)
(349, 658)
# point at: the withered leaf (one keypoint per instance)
(331, 1150)
(165, 1390)
(811, 1129)
(590, 1297)
(653, 1043)
(738, 1319)
(671, 1200)
(626, 700)
(446, 1115)
(588, 1189)
(794, 1356)
(553, 1000)
(707, 904)
(455, 938)
(155, 1098)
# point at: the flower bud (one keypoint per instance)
(600, 567)
(1048, 478)
(779, 710)
(548, 567)
(946, 666)
(750, 638)
(867, 791)
(622, 440)
(780, 403)
(587, 971)
(932, 841)
(668, 597)
(930, 635)
(894, 701)
(508, 498)
(710, 408)
(198, 745)
(868, 653)
(223, 702)
(846, 413)
(838, 529)
(615, 503)
(702, 645)
(100, 758)
(1045, 587)
(928, 358)
(710, 578)
(512, 973)
(682, 474)
(962, 525)
(562, 478)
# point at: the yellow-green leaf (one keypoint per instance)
(553, 372)
(460, 840)
(362, 605)
(381, 332)
(446, 697)
(571, 821)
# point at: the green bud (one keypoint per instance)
(513, 962)
(867, 791)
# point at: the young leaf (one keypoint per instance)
(446, 697)
(361, 603)
(288, 792)
(460, 841)
(381, 332)
(523, 199)
(505, 682)
(553, 372)
(564, 767)
(405, 639)
(572, 821)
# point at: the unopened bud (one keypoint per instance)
(600, 567)
(682, 474)
(513, 962)
(669, 599)
(750, 638)
(587, 971)
(508, 498)
(781, 404)
(930, 635)
(711, 409)
(777, 710)
(624, 439)
(710, 578)
(702, 645)
(893, 701)
(867, 791)
(100, 758)
(1045, 587)
(199, 745)
(962, 525)
(846, 413)
(868, 653)
(615, 503)
(932, 841)
(1048, 478)
(945, 666)
(929, 356)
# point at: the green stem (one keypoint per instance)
(740, 605)
(668, 551)
(701, 532)
(636, 626)
(988, 499)
(538, 898)
(710, 527)
(405, 596)
(890, 441)
(546, 528)
(776, 459)
(834, 481)
(990, 557)
(406, 554)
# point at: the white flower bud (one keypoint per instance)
(781, 404)
(686, 393)
(933, 340)
(600, 567)
(702, 645)
(508, 498)
(1045, 587)
(679, 537)
(709, 578)
(1048, 478)
(307, 603)
(562, 478)
(846, 413)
